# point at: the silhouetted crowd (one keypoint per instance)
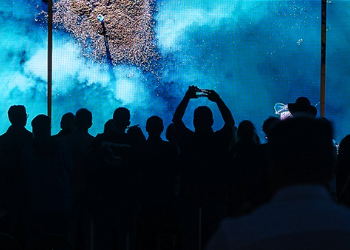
(200, 189)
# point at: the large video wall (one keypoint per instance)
(143, 55)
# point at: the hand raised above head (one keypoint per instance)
(191, 92)
(213, 96)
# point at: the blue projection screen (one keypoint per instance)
(143, 54)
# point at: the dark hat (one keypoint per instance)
(302, 105)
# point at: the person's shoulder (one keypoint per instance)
(224, 135)
(226, 129)
(113, 138)
(343, 210)
(3, 138)
(122, 138)
(77, 135)
(181, 127)
(62, 145)
(241, 223)
(89, 139)
(164, 143)
(27, 136)
(232, 233)
(160, 144)
(63, 148)
(27, 149)
(90, 136)
(100, 137)
(27, 132)
(183, 134)
(97, 140)
(292, 212)
(58, 142)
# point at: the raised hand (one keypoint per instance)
(213, 96)
(192, 92)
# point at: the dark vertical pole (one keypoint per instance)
(323, 56)
(49, 59)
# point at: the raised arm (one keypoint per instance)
(180, 110)
(225, 112)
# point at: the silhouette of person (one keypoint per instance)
(11, 145)
(203, 121)
(111, 185)
(203, 167)
(301, 214)
(17, 136)
(248, 184)
(170, 133)
(79, 142)
(47, 166)
(67, 125)
(302, 107)
(343, 172)
(269, 124)
(156, 163)
(136, 135)
(108, 127)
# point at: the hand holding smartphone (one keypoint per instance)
(202, 93)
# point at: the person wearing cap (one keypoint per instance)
(302, 107)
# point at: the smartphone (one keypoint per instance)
(202, 93)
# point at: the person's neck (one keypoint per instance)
(83, 130)
(17, 125)
(42, 139)
(206, 130)
(154, 137)
(119, 130)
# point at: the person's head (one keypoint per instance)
(203, 118)
(344, 152)
(83, 119)
(67, 121)
(246, 131)
(154, 126)
(18, 115)
(136, 134)
(302, 107)
(121, 118)
(108, 127)
(269, 124)
(41, 125)
(301, 150)
(170, 132)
